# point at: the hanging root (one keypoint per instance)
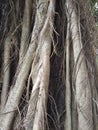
(6, 72)
(36, 113)
(17, 90)
(25, 29)
(68, 124)
(9, 41)
(83, 89)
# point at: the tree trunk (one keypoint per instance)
(83, 89)
(53, 86)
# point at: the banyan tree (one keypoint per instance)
(48, 70)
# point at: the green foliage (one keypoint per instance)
(94, 10)
(92, 2)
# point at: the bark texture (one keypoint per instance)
(48, 81)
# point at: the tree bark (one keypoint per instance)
(6, 78)
(83, 90)
(68, 124)
(25, 36)
(50, 64)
